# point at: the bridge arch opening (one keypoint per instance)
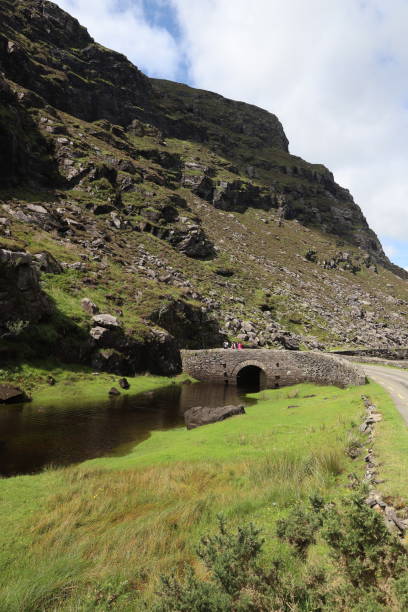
(251, 377)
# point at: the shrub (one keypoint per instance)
(369, 573)
(191, 596)
(360, 541)
(300, 526)
(236, 582)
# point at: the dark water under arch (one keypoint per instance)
(251, 377)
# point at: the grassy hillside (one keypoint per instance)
(174, 209)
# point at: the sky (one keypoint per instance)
(334, 72)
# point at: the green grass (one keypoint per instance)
(391, 448)
(272, 425)
(69, 534)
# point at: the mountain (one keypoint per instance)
(175, 210)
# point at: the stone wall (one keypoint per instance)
(396, 363)
(280, 368)
(382, 353)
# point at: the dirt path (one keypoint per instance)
(395, 381)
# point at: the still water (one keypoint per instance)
(34, 436)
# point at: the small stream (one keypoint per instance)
(34, 436)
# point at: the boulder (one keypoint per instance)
(12, 395)
(89, 306)
(198, 416)
(224, 272)
(193, 242)
(106, 320)
(288, 342)
(99, 333)
(196, 245)
(124, 383)
(114, 391)
(48, 264)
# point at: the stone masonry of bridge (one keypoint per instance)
(278, 368)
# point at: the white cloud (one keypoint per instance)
(333, 72)
(124, 27)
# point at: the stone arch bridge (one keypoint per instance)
(272, 369)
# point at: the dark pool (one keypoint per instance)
(34, 436)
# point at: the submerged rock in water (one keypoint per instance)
(198, 416)
(12, 395)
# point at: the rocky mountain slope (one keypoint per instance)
(178, 212)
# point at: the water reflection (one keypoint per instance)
(33, 436)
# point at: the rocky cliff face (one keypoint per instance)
(46, 51)
(25, 155)
(176, 210)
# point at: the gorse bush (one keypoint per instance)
(299, 529)
(237, 581)
(361, 543)
(370, 573)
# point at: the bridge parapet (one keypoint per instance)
(279, 368)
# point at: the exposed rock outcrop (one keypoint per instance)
(113, 350)
(21, 297)
(190, 325)
(25, 155)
